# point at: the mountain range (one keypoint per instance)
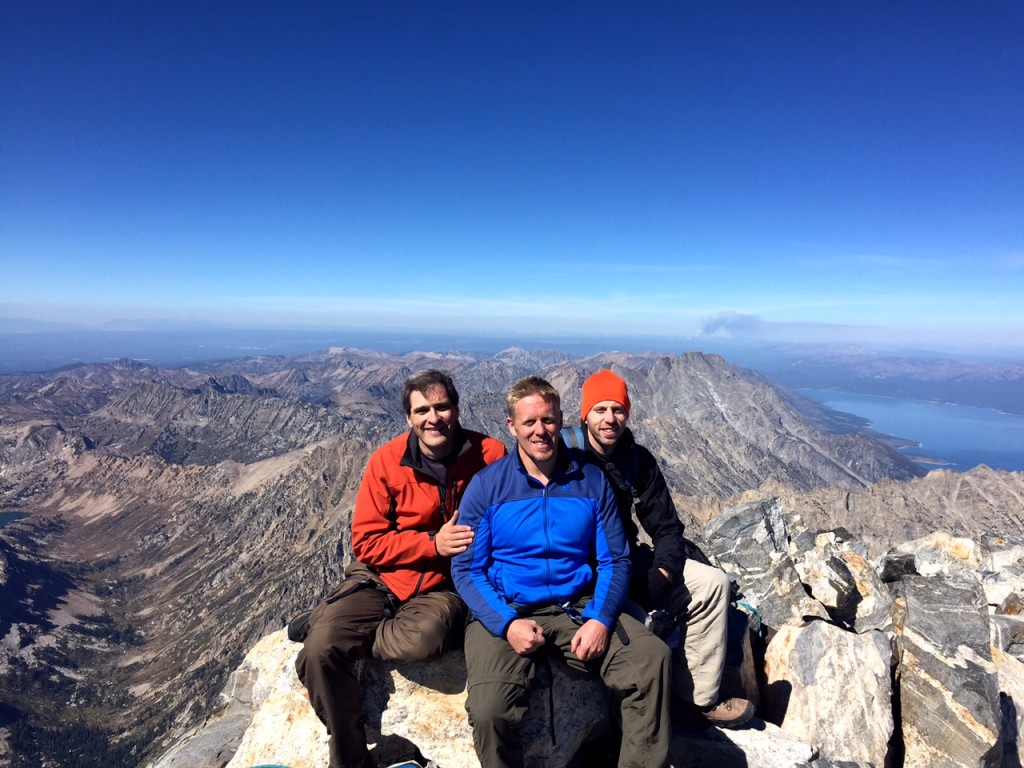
(177, 515)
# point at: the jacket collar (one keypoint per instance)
(565, 463)
(413, 454)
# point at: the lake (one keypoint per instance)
(960, 436)
(10, 517)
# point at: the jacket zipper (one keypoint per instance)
(547, 541)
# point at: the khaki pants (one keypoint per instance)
(698, 662)
(354, 624)
(499, 687)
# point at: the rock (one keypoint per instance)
(830, 582)
(831, 688)
(874, 607)
(948, 688)
(940, 552)
(1008, 634)
(1002, 553)
(413, 708)
(893, 566)
(740, 678)
(1012, 605)
(750, 543)
(407, 707)
(1011, 687)
(826, 684)
(1003, 588)
(278, 723)
(763, 745)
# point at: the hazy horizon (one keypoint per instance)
(34, 347)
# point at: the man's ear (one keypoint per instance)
(511, 425)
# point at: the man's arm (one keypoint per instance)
(657, 514)
(612, 552)
(375, 540)
(469, 568)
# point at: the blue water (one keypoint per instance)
(959, 436)
(10, 517)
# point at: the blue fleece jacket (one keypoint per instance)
(540, 545)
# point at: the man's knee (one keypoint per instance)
(646, 660)
(328, 650)
(496, 706)
(340, 633)
(652, 652)
(408, 644)
(422, 631)
(707, 585)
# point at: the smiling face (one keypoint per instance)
(605, 423)
(535, 424)
(433, 419)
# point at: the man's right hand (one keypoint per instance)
(525, 636)
(453, 539)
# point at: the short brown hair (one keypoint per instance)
(531, 385)
(423, 382)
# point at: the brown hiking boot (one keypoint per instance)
(729, 713)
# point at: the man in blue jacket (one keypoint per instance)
(549, 567)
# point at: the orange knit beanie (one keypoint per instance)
(604, 385)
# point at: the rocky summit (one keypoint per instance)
(921, 677)
(173, 519)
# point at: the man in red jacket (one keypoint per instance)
(397, 601)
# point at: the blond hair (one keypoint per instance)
(528, 387)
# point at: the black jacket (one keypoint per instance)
(638, 472)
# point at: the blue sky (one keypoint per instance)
(824, 171)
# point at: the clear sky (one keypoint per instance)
(799, 170)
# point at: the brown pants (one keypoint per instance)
(354, 624)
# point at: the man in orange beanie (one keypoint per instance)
(663, 579)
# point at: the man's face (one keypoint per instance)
(535, 427)
(605, 423)
(434, 420)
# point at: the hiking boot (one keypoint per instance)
(729, 713)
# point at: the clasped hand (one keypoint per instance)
(590, 640)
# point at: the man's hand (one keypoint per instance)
(590, 640)
(453, 539)
(525, 636)
(659, 587)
